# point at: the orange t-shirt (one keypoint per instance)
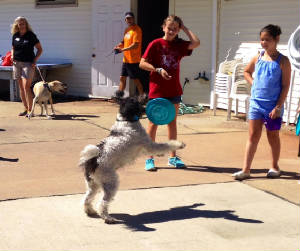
(132, 34)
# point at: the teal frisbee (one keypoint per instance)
(160, 111)
(298, 126)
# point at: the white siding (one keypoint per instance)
(65, 33)
(197, 16)
(246, 18)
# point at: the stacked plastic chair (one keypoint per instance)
(222, 88)
(240, 90)
(227, 74)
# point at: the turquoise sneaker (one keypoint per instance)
(176, 162)
(150, 165)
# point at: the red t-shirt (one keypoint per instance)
(166, 54)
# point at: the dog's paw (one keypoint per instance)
(90, 212)
(110, 220)
(182, 145)
(175, 145)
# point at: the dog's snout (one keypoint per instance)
(64, 88)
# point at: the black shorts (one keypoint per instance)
(131, 70)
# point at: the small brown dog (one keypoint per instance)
(43, 93)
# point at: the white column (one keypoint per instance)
(213, 50)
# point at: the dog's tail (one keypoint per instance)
(88, 153)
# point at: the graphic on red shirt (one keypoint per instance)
(166, 54)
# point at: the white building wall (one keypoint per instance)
(197, 16)
(64, 32)
(248, 17)
(240, 24)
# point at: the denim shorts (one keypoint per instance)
(270, 124)
(174, 100)
(23, 70)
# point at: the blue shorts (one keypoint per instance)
(270, 124)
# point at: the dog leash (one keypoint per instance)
(40, 73)
(45, 83)
(113, 52)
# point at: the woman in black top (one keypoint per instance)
(24, 59)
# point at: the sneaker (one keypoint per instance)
(23, 113)
(241, 175)
(176, 162)
(150, 165)
(273, 173)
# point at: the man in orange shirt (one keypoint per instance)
(131, 48)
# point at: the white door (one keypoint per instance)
(108, 27)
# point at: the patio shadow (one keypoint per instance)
(8, 159)
(73, 117)
(138, 222)
(230, 170)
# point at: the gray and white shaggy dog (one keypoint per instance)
(127, 140)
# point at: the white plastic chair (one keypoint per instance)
(222, 85)
(240, 90)
(222, 89)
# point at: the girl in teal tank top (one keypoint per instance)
(270, 86)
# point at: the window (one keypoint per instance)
(56, 3)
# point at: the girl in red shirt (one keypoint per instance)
(162, 58)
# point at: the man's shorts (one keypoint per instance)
(131, 70)
(270, 124)
(23, 70)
